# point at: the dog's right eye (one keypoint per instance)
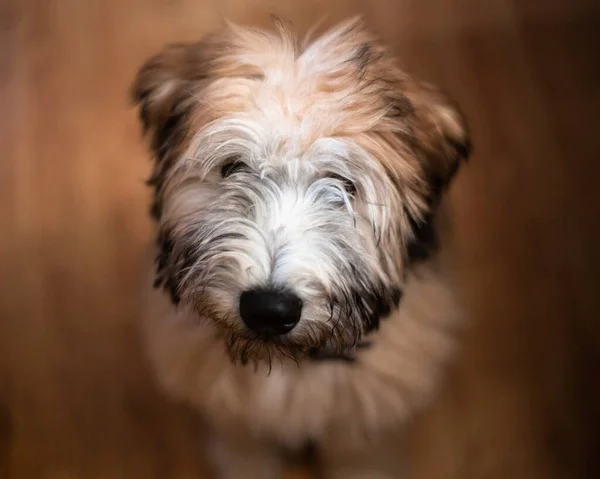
(232, 166)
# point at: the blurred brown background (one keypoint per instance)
(76, 399)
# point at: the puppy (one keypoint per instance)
(298, 294)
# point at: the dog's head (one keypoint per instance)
(293, 184)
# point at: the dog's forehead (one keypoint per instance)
(292, 97)
(290, 115)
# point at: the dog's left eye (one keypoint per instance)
(232, 166)
(349, 185)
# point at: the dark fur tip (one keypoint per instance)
(463, 149)
(401, 107)
(154, 180)
(390, 303)
(275, 18)
(155, 211)
(397, 296)
(138, 95)
(175, 298)
(323, 355)
(424, 244)
(169, 133)
(363, 56)
(372, 323)
(144, 117)
(244, 358)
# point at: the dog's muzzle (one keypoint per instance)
(270, 312)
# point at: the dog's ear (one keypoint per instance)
(440, 136)
(437, 133)
(162, 91)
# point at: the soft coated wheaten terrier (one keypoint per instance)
(298, 295)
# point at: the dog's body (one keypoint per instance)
(340, 404)
(295, 191)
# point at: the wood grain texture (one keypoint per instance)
(76, 397)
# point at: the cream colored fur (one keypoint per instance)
(301, 123)
(349, 407)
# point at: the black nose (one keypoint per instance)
(270, 312)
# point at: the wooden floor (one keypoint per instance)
(76, 399)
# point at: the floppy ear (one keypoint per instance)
(158, 83)
(441, 138)
(163, 91)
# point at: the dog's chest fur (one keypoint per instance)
(294, 403)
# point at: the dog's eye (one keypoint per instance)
(232, 166)
(349, 185)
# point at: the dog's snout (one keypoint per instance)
(270, 312)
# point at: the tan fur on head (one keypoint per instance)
(313, 169)
(345, 83)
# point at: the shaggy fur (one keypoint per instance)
(316, 168)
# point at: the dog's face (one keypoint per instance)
(293, 185)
